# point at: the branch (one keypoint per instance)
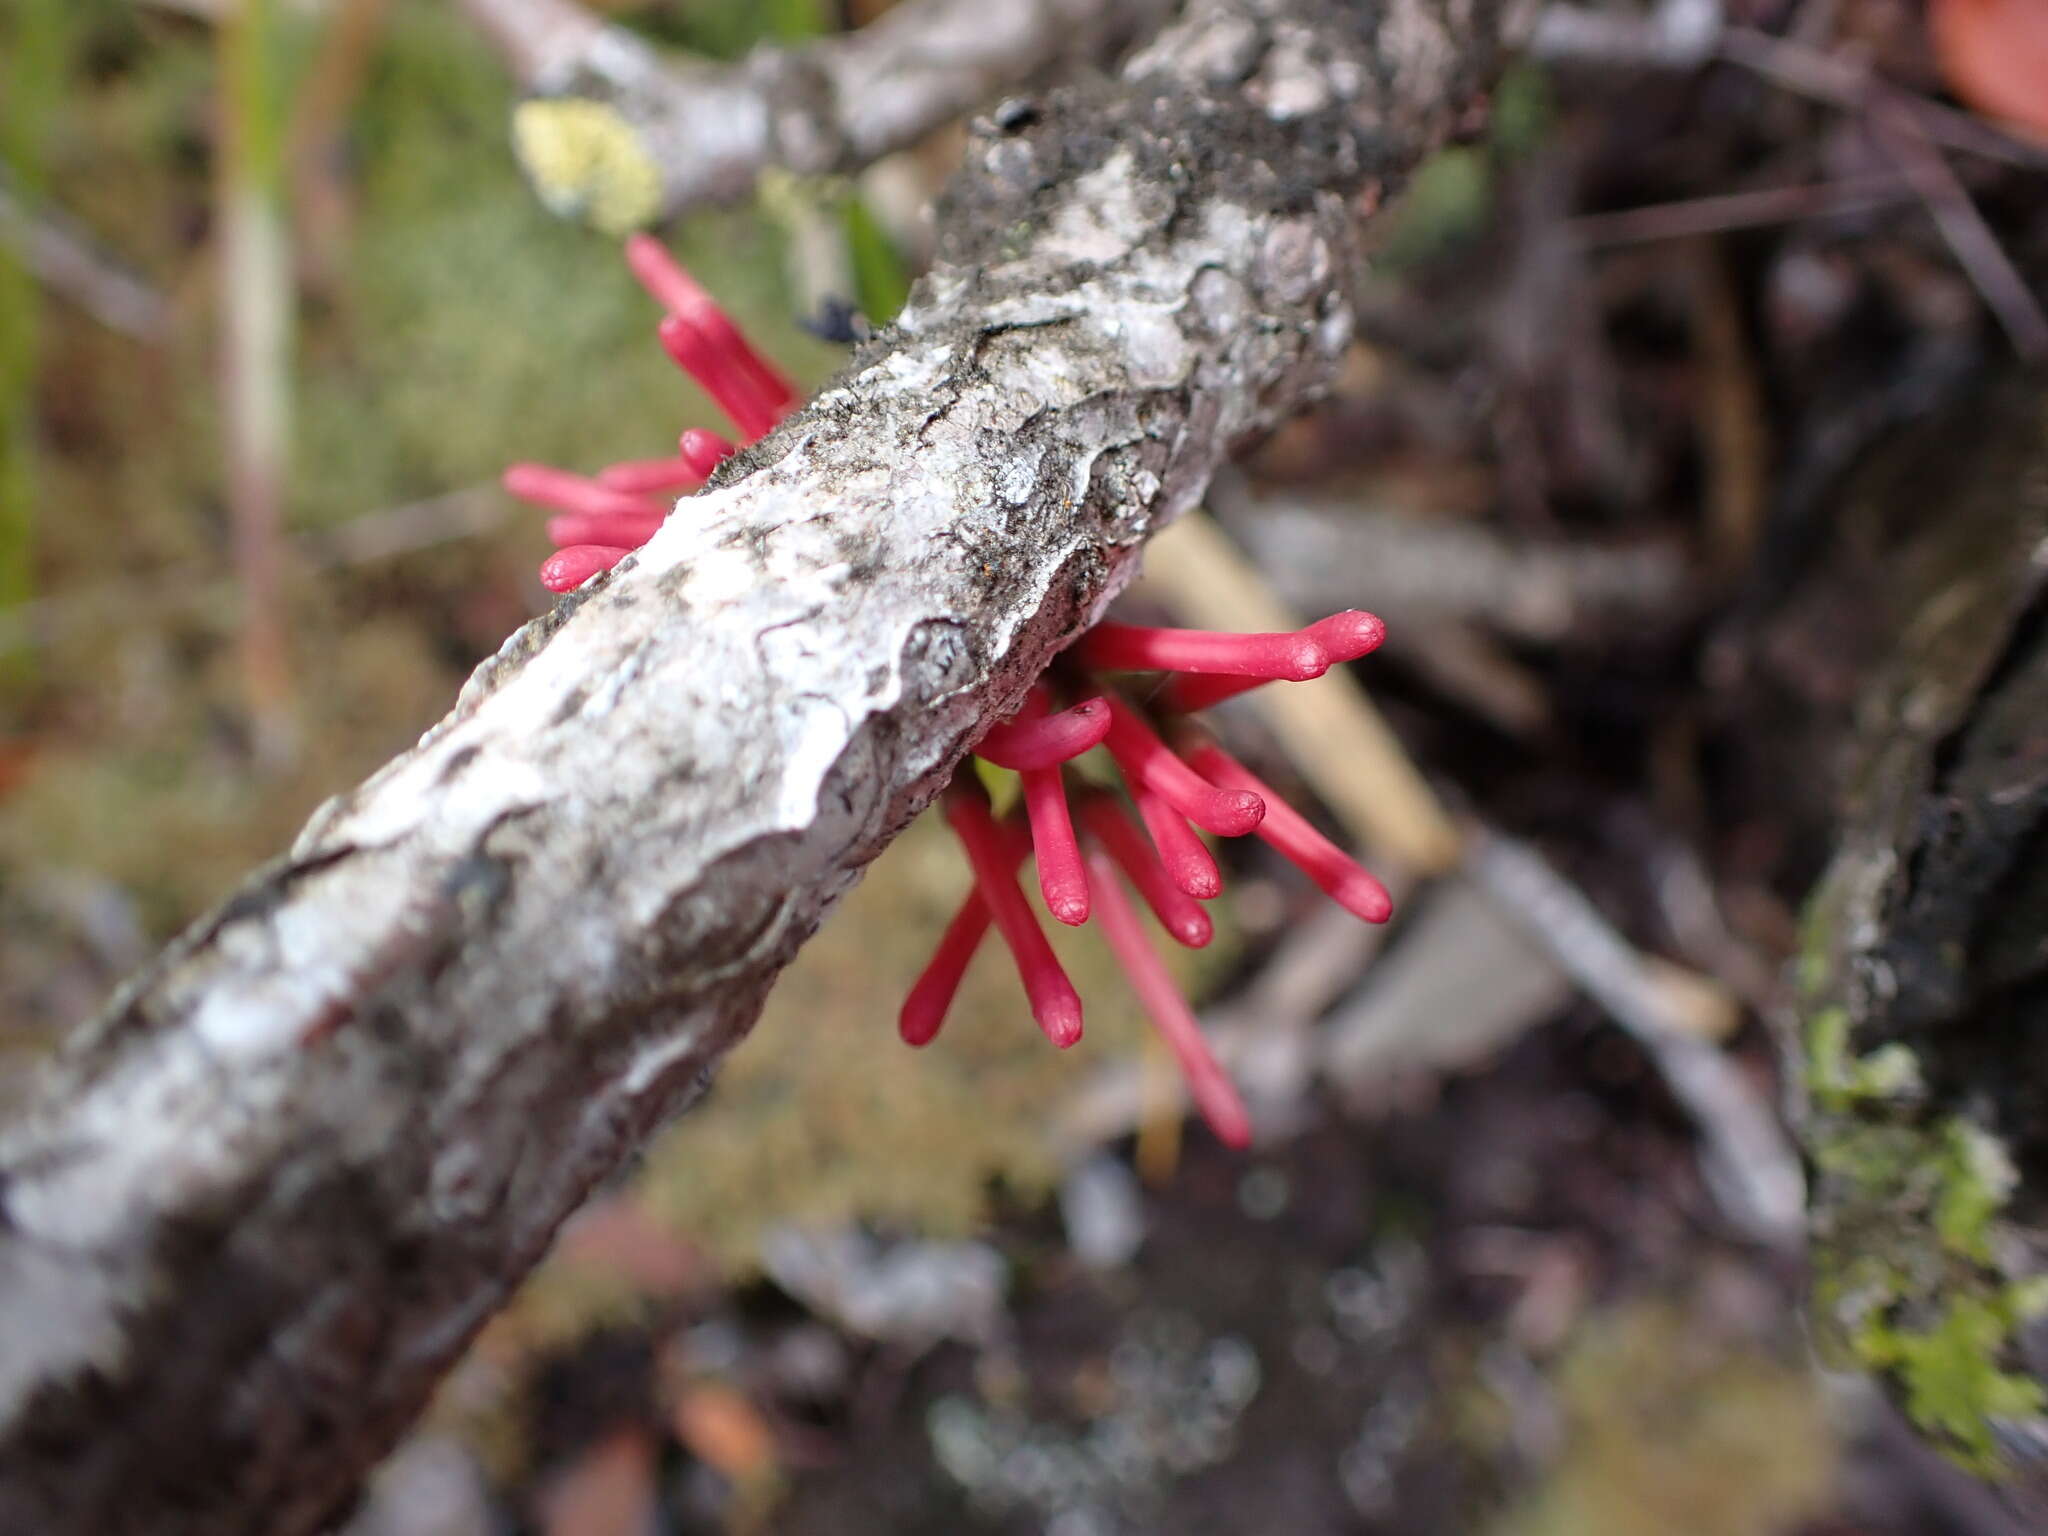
(706, 132)
(260, 1205)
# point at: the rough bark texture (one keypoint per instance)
(262, 1203)
(708, 131)
(1924, 977)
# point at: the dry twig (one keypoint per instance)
(68, 263)
(707, 131)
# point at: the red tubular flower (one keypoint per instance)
(1054, 1002)
(627, 530)
(681, 294)
(612, 515)
(1178, 913)
(548, 487)
(1150, 764)
(1343, 637)
(762, 381)
(643, 475)
(601, 520)
(1188, 864)
(661, 274)
(1208, 1084)
(1340, 876)
(567, 569)
(697, 353)
(703, 451)
(1048, 740)
(1061, 879)
(924, 1010)
(1134, 648)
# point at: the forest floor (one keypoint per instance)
(1594, 461)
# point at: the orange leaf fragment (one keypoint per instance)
(1994, 55)
(722, 1428)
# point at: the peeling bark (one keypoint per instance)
(259, 1206)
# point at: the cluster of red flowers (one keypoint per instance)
(1082, 869)
(600, 521)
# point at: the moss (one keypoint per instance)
(1976, 1178)
(1954, 1385)
(1837, 1080)
(1938, 1317)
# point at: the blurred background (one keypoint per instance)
(275, 309)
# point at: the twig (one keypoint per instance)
(1694, 216)
(1731, 416)
(1976, 248)
(702, 133)
(1678, 34)
(1466, 664)
(1324, 551)
(257, 289)
(1748, 1162)
(259, 1206)
(1851, 85)
(1463, 981)
(66, 262)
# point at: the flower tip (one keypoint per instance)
(1060, 1017)
(1233, 812)
(1069, 907)
(567, 569)
(1225, 1113)
(703, 451)
(1362, 896)
(919, 1022)
(1193, 930)
(1350, 634)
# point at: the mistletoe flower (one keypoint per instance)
(1177, 782)
(1088, 843)
(605, 518)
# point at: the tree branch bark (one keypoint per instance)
(836, 105)
(260, 1205)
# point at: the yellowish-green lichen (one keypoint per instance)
(587, 162)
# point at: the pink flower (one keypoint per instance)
(1083, 862)
(609, 517)
(1174, 791)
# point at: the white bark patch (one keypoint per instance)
(1104, 220)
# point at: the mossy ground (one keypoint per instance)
(1909, 1282)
